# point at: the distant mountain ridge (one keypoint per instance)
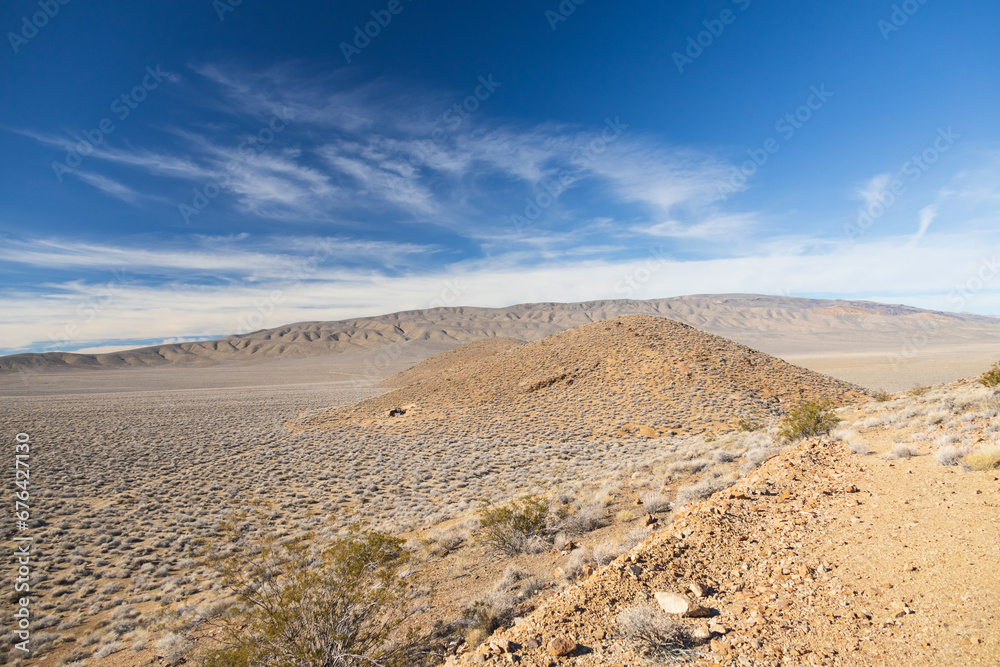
(747, 318)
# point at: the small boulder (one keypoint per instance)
(681, 605)
(560, 646)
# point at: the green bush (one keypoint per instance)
(343, 605)
(516, 527)
(991, 378)
(919, 390)
(808, 419)
(881, 396)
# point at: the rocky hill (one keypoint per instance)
(634, 376)
(861, 552)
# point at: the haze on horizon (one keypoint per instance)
(187, 171)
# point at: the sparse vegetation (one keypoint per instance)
(654, 632)
(991, 378)
(344, 603)
(984, 459)
(808, 419)
(919, 390)
(881, 396)
(515, 527)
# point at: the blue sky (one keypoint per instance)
(183, 170)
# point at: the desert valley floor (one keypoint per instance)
(872, 545)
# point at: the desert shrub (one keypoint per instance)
(493, 610)
(749, 424)
(950, 455)
(652, 630)
(585, 520)
(172, 647)
(901, 451)
(991, 378)
(919, 390)
(881, 396)
(808, 419)
(858, 447)
(654, 502)
(341, 604)
(984, 459)
(699, 490)
(515, 527)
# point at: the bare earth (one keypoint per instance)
(822, 556)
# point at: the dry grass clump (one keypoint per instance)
(984, 459)
(654, 633)
(901, 451)
(702, 489)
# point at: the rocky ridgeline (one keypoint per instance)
(755, 576)
(634, 376)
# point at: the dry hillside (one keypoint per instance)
(877, 546)
(632, 376)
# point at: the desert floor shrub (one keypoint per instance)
(950, 455)
(647, 626)
(984, 459)
(901, 451)
(858, 447)
(919, 390)
(881, 396)
(808, 419)
(346, 602)
(515, 527)
(699, 490)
